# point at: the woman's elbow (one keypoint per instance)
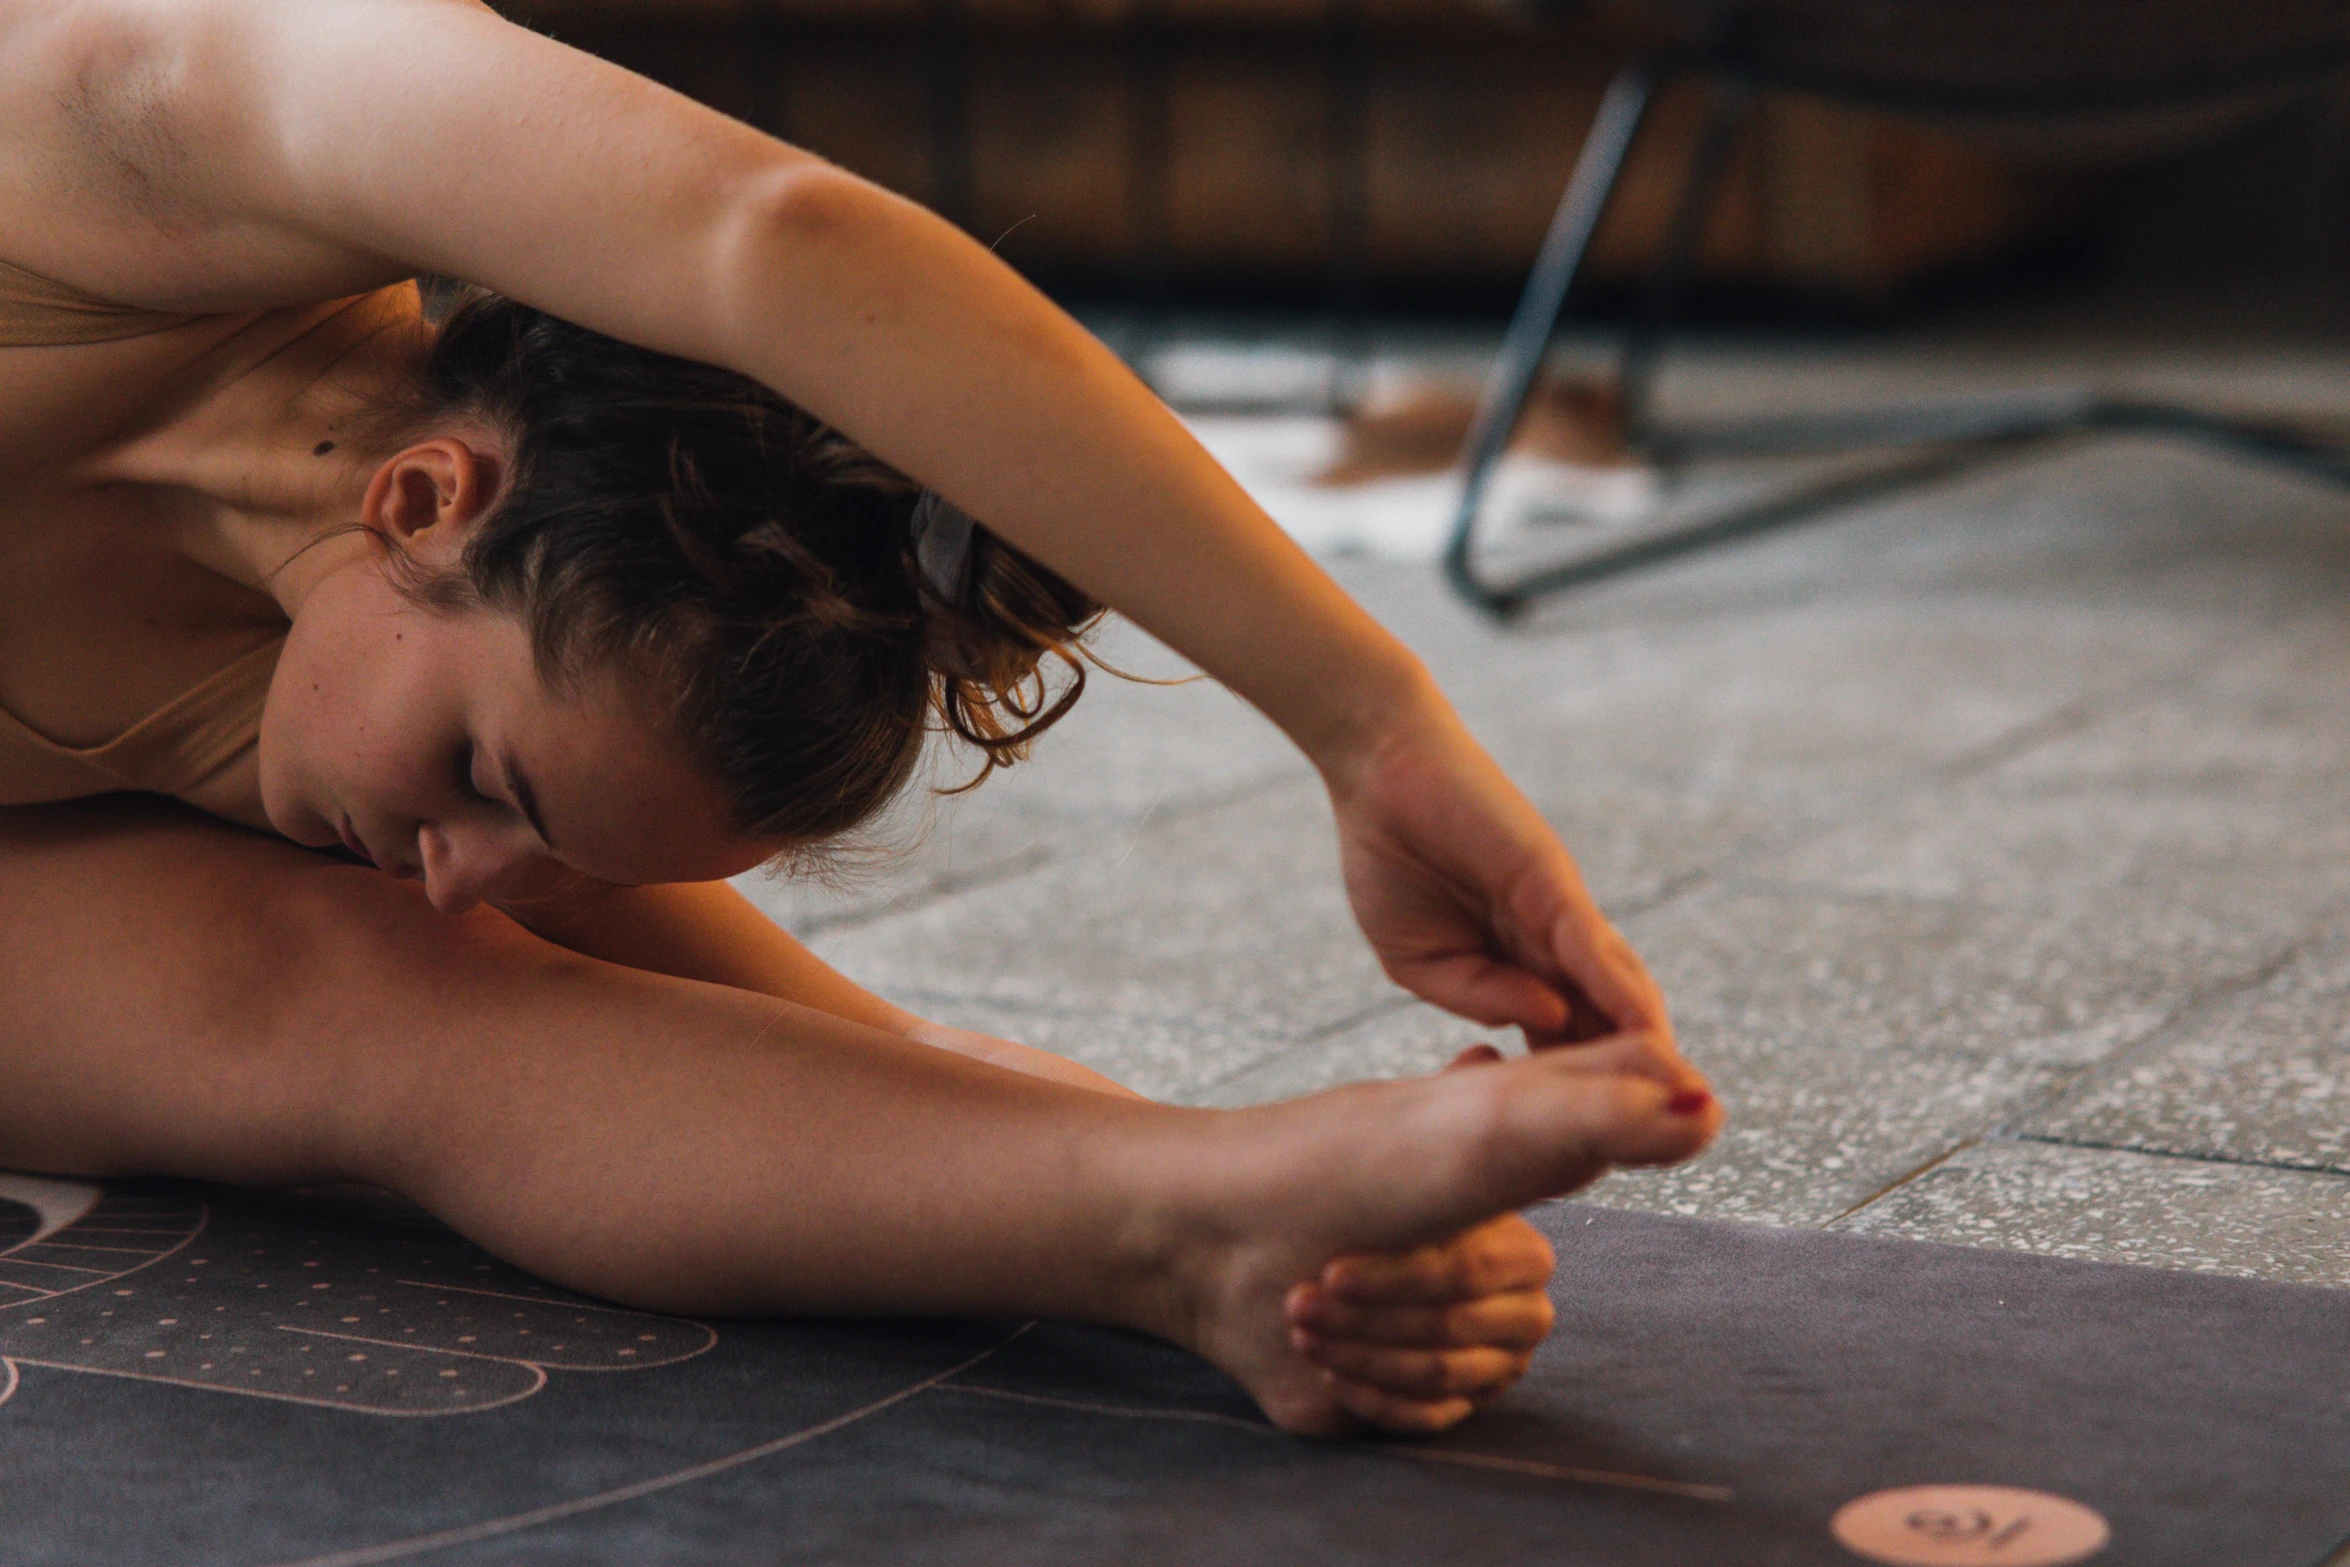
(801, 219)
(809, 202)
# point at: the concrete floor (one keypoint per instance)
(1989, 843)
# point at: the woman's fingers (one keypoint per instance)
(1634, 1054)
(1415, 1392)
(1399, 1413)
(1504, 1253)
(1474, 984)
(1517, 1321)
(1417, 1341)
(1608, 987)
(1428, 1375)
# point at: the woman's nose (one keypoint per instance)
(464, 865)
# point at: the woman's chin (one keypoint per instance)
(297, 823)
(306, 830)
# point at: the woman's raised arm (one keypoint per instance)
(275, 153)
(224, 154)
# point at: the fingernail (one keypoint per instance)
(1689, 1101)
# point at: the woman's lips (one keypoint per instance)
(352, 843)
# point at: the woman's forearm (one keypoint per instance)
(631, 210)
(710, 932)
(705, 931)
(915, 341)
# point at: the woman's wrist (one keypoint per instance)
(1387, 704)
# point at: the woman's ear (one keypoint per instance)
(429, 498)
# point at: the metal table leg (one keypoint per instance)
(1528, 339)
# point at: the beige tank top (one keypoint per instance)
(38, 313)
(200, 733)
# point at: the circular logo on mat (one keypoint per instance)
(1967, 1525)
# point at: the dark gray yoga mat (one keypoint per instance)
(196, 1378)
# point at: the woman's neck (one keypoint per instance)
(265, 466)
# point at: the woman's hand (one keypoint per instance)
(1420, 1340)
(1469, 898)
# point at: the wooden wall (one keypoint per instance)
(1468, 124)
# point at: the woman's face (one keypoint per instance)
(424, 740)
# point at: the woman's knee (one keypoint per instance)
(121, 856)
(247, 970)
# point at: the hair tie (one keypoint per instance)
(941, 532)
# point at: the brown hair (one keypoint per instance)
(758, 566)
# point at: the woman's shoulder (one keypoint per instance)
(139, 156)
(227, 155)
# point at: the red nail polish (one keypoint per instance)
(1689, 1101)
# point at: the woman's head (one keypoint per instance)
(692, 568)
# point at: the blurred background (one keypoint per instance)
(1986, 831)
(1260, 153)
(1318, 214)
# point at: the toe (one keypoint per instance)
(1577, 1124)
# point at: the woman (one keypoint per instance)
(568, 622)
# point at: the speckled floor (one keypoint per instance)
(1989, 842)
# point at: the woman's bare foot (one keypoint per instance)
(1271, 1280)
(1430, 1335)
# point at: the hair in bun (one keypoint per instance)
(995, 624)
(808, 613)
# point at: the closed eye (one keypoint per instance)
(522, 801)
(465, 785)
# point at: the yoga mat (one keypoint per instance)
(203, 1378)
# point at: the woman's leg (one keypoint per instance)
(181, 998)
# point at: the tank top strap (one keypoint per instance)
(39, 312)
(177, 747)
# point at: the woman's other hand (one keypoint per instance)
(1420, 1340)
(1471, 901)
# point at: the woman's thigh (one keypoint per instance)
(183, 998)
(181, 995)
